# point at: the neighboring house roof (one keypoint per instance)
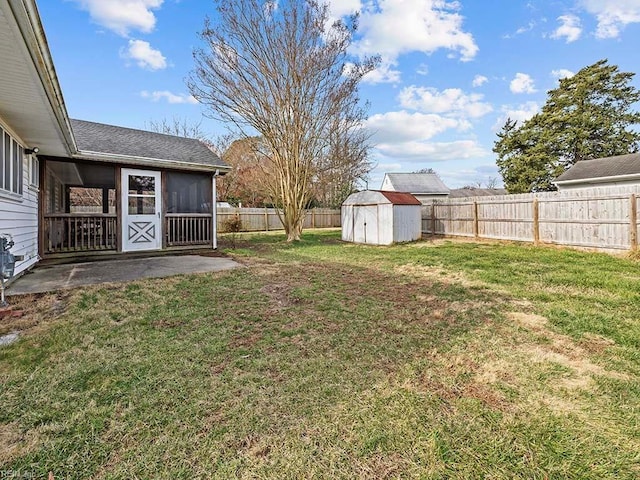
(97, 139)
(602, 169)
(378, 197)
(476, 192)
(417, 183)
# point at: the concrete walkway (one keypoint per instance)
(59, 277)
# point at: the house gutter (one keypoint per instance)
(148, 162)
(28, 20)
(611, 178)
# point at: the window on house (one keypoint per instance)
(10, 164)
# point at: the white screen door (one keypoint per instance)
(141, 207)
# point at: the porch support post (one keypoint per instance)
(164, 195)
(105, 200)
(67, 199)
(41, 206)
(119, 208)
(214, 212)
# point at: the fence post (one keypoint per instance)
(476, 231)
(266, 219)
(433, 217)
(633, 222)
(536, 222)
(313, 218)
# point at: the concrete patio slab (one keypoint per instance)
(59, 277)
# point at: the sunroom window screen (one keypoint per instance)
(188, 193)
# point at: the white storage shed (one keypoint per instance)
(381, 218)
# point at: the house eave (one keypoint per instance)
(149, 162)
(31, 31)
(611, 178)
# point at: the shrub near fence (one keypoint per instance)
(266, 219)
(600, 218)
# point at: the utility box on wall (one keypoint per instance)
(381, 218)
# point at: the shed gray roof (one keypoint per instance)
(602, 168)
(476, 192)
(417, 183)
(121, 141)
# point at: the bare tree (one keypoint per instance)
(344, 163)
(245, 183)
(279, 68)
(180, 127)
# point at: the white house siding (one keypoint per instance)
(386, 184)
(407, 223)
(19, 215)
(623, 185)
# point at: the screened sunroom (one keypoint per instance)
(89, 207)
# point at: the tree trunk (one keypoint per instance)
(293, 221)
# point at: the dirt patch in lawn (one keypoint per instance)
(15, 443)
(35, 310)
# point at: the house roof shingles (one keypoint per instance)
(114, 140)
(602, 168)
(417, 183)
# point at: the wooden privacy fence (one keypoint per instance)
(604, 219)
(266, 219)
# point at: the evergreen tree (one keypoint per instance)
(588, 116)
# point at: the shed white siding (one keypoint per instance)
(19, 214)
(407, 223)
(370, 217)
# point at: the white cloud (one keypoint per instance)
(385, 73)
(522, 83)
(520, 113)
(433, 151)
(612, 15)
(570, 28)
(562, 73)
(530, 26)
(391, 28)
(168, 96)
(423, 69)
(479, 80)
(340, 8)
(402, 126)
(451, 101)
(144, 55)
(122, 16)
(469, 176)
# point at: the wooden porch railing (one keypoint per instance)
(77, 232)
(184, 229)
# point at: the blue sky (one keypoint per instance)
(452, 71)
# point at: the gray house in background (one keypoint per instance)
(423, 186)
(622, 170)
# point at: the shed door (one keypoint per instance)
(365, 224)
(141, 207)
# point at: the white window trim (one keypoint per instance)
(34, 172)
(10, 194)
(13, 197)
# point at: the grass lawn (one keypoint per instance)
(329, 360)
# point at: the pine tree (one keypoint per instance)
(588, 116)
